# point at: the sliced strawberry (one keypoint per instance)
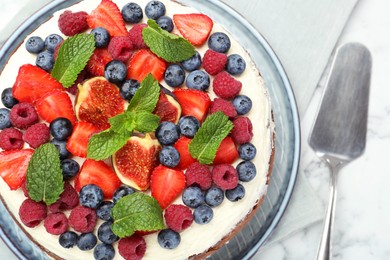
(100, 174)
(167, 184)
(186, 159)
(32, 83)
(144, 62)
(108, 15)
(78, 142)
(193, 102)
(227, 152)
(195, 27)
(55, 104)
(13, 166)
(98, 62)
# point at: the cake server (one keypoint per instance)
(338, 135)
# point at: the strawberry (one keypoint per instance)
(193, 102)
(78, 142)
(194, 27)
(144, 62)
(98, 62)
(13, 166)
(32, 83)
(186, 159)
(100, 174)
(167, 184)
(108, 15)
(55, 104)
(227, 152)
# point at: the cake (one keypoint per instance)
(197, 240)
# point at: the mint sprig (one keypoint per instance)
(146, 97)
(44, 175)
(167, 46)
(73, 55)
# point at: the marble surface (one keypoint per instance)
(362, 217)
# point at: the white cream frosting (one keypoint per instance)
(197, 238)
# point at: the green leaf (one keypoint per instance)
(73, 55)
(123, 122)
(136, 211)
(146, 97)
(106, 143)
(167, 46)
(44, 175)
(146, 122)
(206, 141)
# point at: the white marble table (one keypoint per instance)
(362, 228)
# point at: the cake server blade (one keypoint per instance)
(338, 135)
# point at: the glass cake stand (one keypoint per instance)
(258, 230)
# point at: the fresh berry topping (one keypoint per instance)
(68, 239)
(133, 247)
(104, 252)
(121, 192)
(120, 48)
(193, 196)
(78, 141)
(214, 196)
(168, 239)
(35, 44)
(167, 133)
(56, 50)
(227, 152)
(186, 159)
(24, 189)
(91, 196)
(135, 35)
(174, 75)
(203, 214)
(11, 139)
(194, 27)
(115, 71)
(247, 151)
(31, 213)
(246, 171)
(242, 130)
(242, 103)
(23, 115)
(144, 62)
(56, 223)
(198, 175)
(86, 241)
(132, 13)
(235, 64)
(167, 108)
(98, 61)
(105, 233)
(225, 86)
(72, 23)
(193, 102)
(225, 176)
(8, 99)
(101, 36)
(214, 62)
(104, 210)
(69, 199)
(45, 60)
(178, 217)
(36, 135)
(235, 194)
(165, 23)
(82, 219)
(13, 166)
(188, 126)
(219, 42)
(220, 104)
(5, 120)
(61, 147)
(61, 128)
(198, 79)
(69, 168)
(154, 9)
(169, 156)
(128, 89)
(52, 40)
(192, 63)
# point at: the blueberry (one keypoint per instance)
(198, 79)
(247, 151)
(167, 133)
(192, 63)
(165, 23)
(5, 120)
(8, 99)
(102, 37)
(203, 214)
(104, 252)
(104, 210)
(219, 42)
(61, 147)
(235, 194)
(121, 192)
(115, 71)
(235, 64)
(61, 128)
(132, 13)
(169, 156)
(193, 196)
(69, 168)
(214, 196)
(91, 196)
(154, 9)
(169, 239)
(105, 233)
(242, 104)
(128, 89)
(52, 41)
(188, 126)
(246, 171)
(35, 44)
(174, 75)
(86, 241)
(45, 60)
(68, 239)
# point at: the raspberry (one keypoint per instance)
(23, 115)
(178, 217)
(56, 49)
(242, 130)
(72, 23)
(225, 86)
(214, 62)
(56, 223)
(120, 48)
(220, 104)
(80, 78)
(82, 219)
(37, 134)
(11, 138)
(135, 34)
(225, 176)
(133, 247)
(31, 213)
(68, 199)
(198, 174)
(24, 189)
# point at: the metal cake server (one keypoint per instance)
(338, 135)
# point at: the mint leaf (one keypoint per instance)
(44, 175)
(167, 46)
(73, 55)
(206, 141)
(123, 122)
(146, 122)
(106, 143)
(146, 97)
(136, 211)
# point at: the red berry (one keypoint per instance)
(83, 219)
(135, 35)
(220, 104)
(120, 48)
(11, 139)
(225, 86)
(72, 23)
(37, 134)
(194, 27)
(23, 115)
(56, 223)
(31, 213)
(199, 175)
(24, 189)
(178, 217)
(13, 166)
(242, 130)
(68, 199)
(225, 176)
(133, 247)
(214, 62)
